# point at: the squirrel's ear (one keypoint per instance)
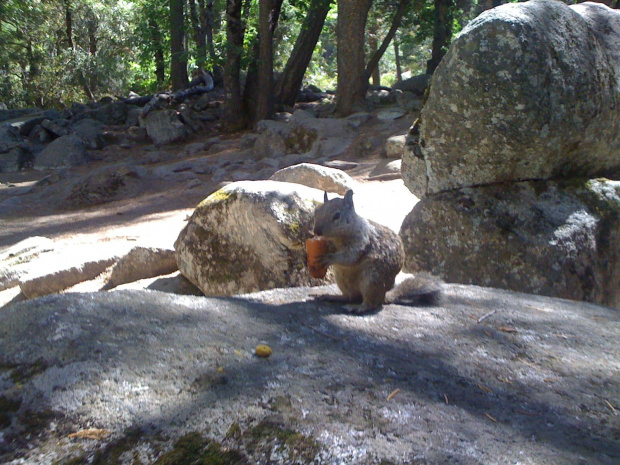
(325, 199)
(348, 198)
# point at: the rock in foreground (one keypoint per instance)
(125, 374)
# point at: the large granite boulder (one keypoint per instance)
(526, 91)
(163, 126)
(272, 139)
(64, 152)
(249, 236)
(14, 152)
(90, 133)
(527, 95)
(416, 84)
(545, 237)
(10, 138)
(304, 133)
(16, 159)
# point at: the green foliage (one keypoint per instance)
(39, 66)
(117, 45)
(322, 71)
(151, 23)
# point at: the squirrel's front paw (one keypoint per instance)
(325, 260)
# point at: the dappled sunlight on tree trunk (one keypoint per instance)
(178, 57)
(352, 77)
(289, 83)
(233, 115)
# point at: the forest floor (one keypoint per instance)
(31, 206)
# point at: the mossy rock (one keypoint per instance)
(249, 236)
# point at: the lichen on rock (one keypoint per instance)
(526, 91)
(248, 236)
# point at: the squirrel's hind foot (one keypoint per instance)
(335, 298)
(361, 309)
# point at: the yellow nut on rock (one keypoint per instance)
(263, 351)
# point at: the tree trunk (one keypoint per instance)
(233, 115)
(289, 83)
(352, 77)
(251, 89)
(399, 71)
(269, 12)
(398, 16)
(442, 34)
(207, 14)
(373, 45)
(160, 64)
(69, 24)
(200, 35)
(92, 25)
(178, 58)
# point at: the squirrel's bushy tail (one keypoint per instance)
(421, 289)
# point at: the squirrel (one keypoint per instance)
(366, 257)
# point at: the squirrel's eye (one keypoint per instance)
(336, 216)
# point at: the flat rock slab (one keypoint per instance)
(15, 260)
(489, 377)
(67, 267)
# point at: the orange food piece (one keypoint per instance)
(316, 248)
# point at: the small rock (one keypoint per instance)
(408, 101)
(317, 177)
(16, 159)
(416, 84)
(40, 134)
(391, 114)
(272, 162)
(240, 175)
(57, 127)
(173, 283)
(395, 146)
(283, 116)
(164, 127)
(133, 117)
(387, 168)
(341, 164)
(357, 119)
(194, 148)
(111, 114)
(248, 140)
(141, 263)
(9, 138)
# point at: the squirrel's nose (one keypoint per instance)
(318, 231)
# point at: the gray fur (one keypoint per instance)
(366, 257)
